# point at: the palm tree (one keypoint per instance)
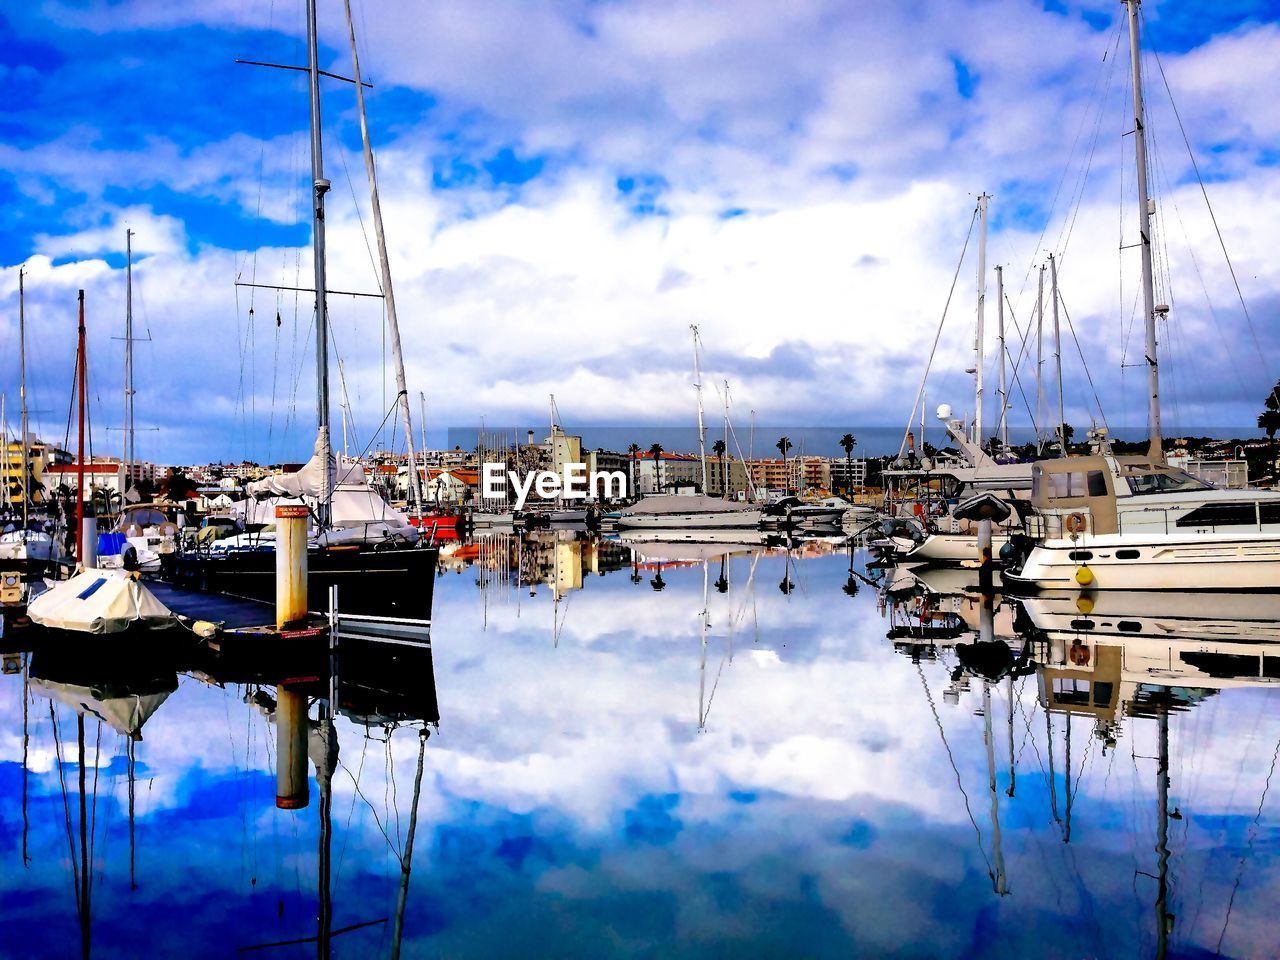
(632, 466)
(1269, 420)
(848, 442)
(719, 449)
(784, 445)
(655, 451)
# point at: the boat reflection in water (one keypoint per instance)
(98, 696)
(661, 747)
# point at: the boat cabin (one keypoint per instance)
(1104, 494)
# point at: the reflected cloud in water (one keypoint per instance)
(742, 762)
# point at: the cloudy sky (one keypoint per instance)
(569, 186)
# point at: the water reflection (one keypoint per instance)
(662, 747)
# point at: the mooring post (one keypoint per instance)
(985, 565)
(291, 565)
(292, 783)
(88, 540)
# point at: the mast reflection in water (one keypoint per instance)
(780, 752)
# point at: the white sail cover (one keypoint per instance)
(306, 482)
(124, 714)
(98, 601)
(353, 503)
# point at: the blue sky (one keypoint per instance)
(567, 187)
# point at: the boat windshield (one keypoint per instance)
(1167, 480)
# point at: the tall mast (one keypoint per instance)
(4, 463)
(724, 473)
(422, 425)
(1004, 388)
(320, 186)
(1039, 357)
(393, 324)
(22, 396)
(702, 433)
(979, 338)
(1163, 918)
(80, 378)
(127, 457)
(1144, 229)
(1061, 430)
(999, 878)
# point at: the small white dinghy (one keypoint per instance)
(99, 601)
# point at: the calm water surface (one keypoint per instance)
(666, 753)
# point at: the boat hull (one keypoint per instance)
(1159, 562)
(388, 582)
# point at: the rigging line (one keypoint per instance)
(1212, 216)
(66, 804)
(1017, 380)
(1070, 225)
(1083, 362)
(346, 835)
(342, 157)
(372, 809)
(1253, 835)
(937, 336)
(1066, 167)
(956, 770)
(1195, 263)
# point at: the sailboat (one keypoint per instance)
(659, 511)
(25, 551)
(944, 482)
(355, 537)
(1135, 523)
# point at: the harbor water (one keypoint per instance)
(656, 750)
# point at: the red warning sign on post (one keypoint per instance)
(291, 510)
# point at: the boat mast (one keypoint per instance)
(1039, 359)
(127, 455)
(702, 433)
(1164, 920)
(422, 425)
(999, 878)
(320, 186)
(393, 324)
(1061, 430)
(4, 463)
(80, 378)
(22, 396)
(1144, 228)
(980, 336)
(1004, 387)
(724, 473)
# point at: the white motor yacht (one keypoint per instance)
(1136, 523)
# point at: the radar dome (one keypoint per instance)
(944, 411)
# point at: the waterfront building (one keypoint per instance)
(848, 473)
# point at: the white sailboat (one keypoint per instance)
(24, 546)
(1135, 523)
(659, 511)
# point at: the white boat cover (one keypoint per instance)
(124, 714)
(353, 504)
(98, 601)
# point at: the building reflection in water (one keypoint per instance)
(991, 735)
